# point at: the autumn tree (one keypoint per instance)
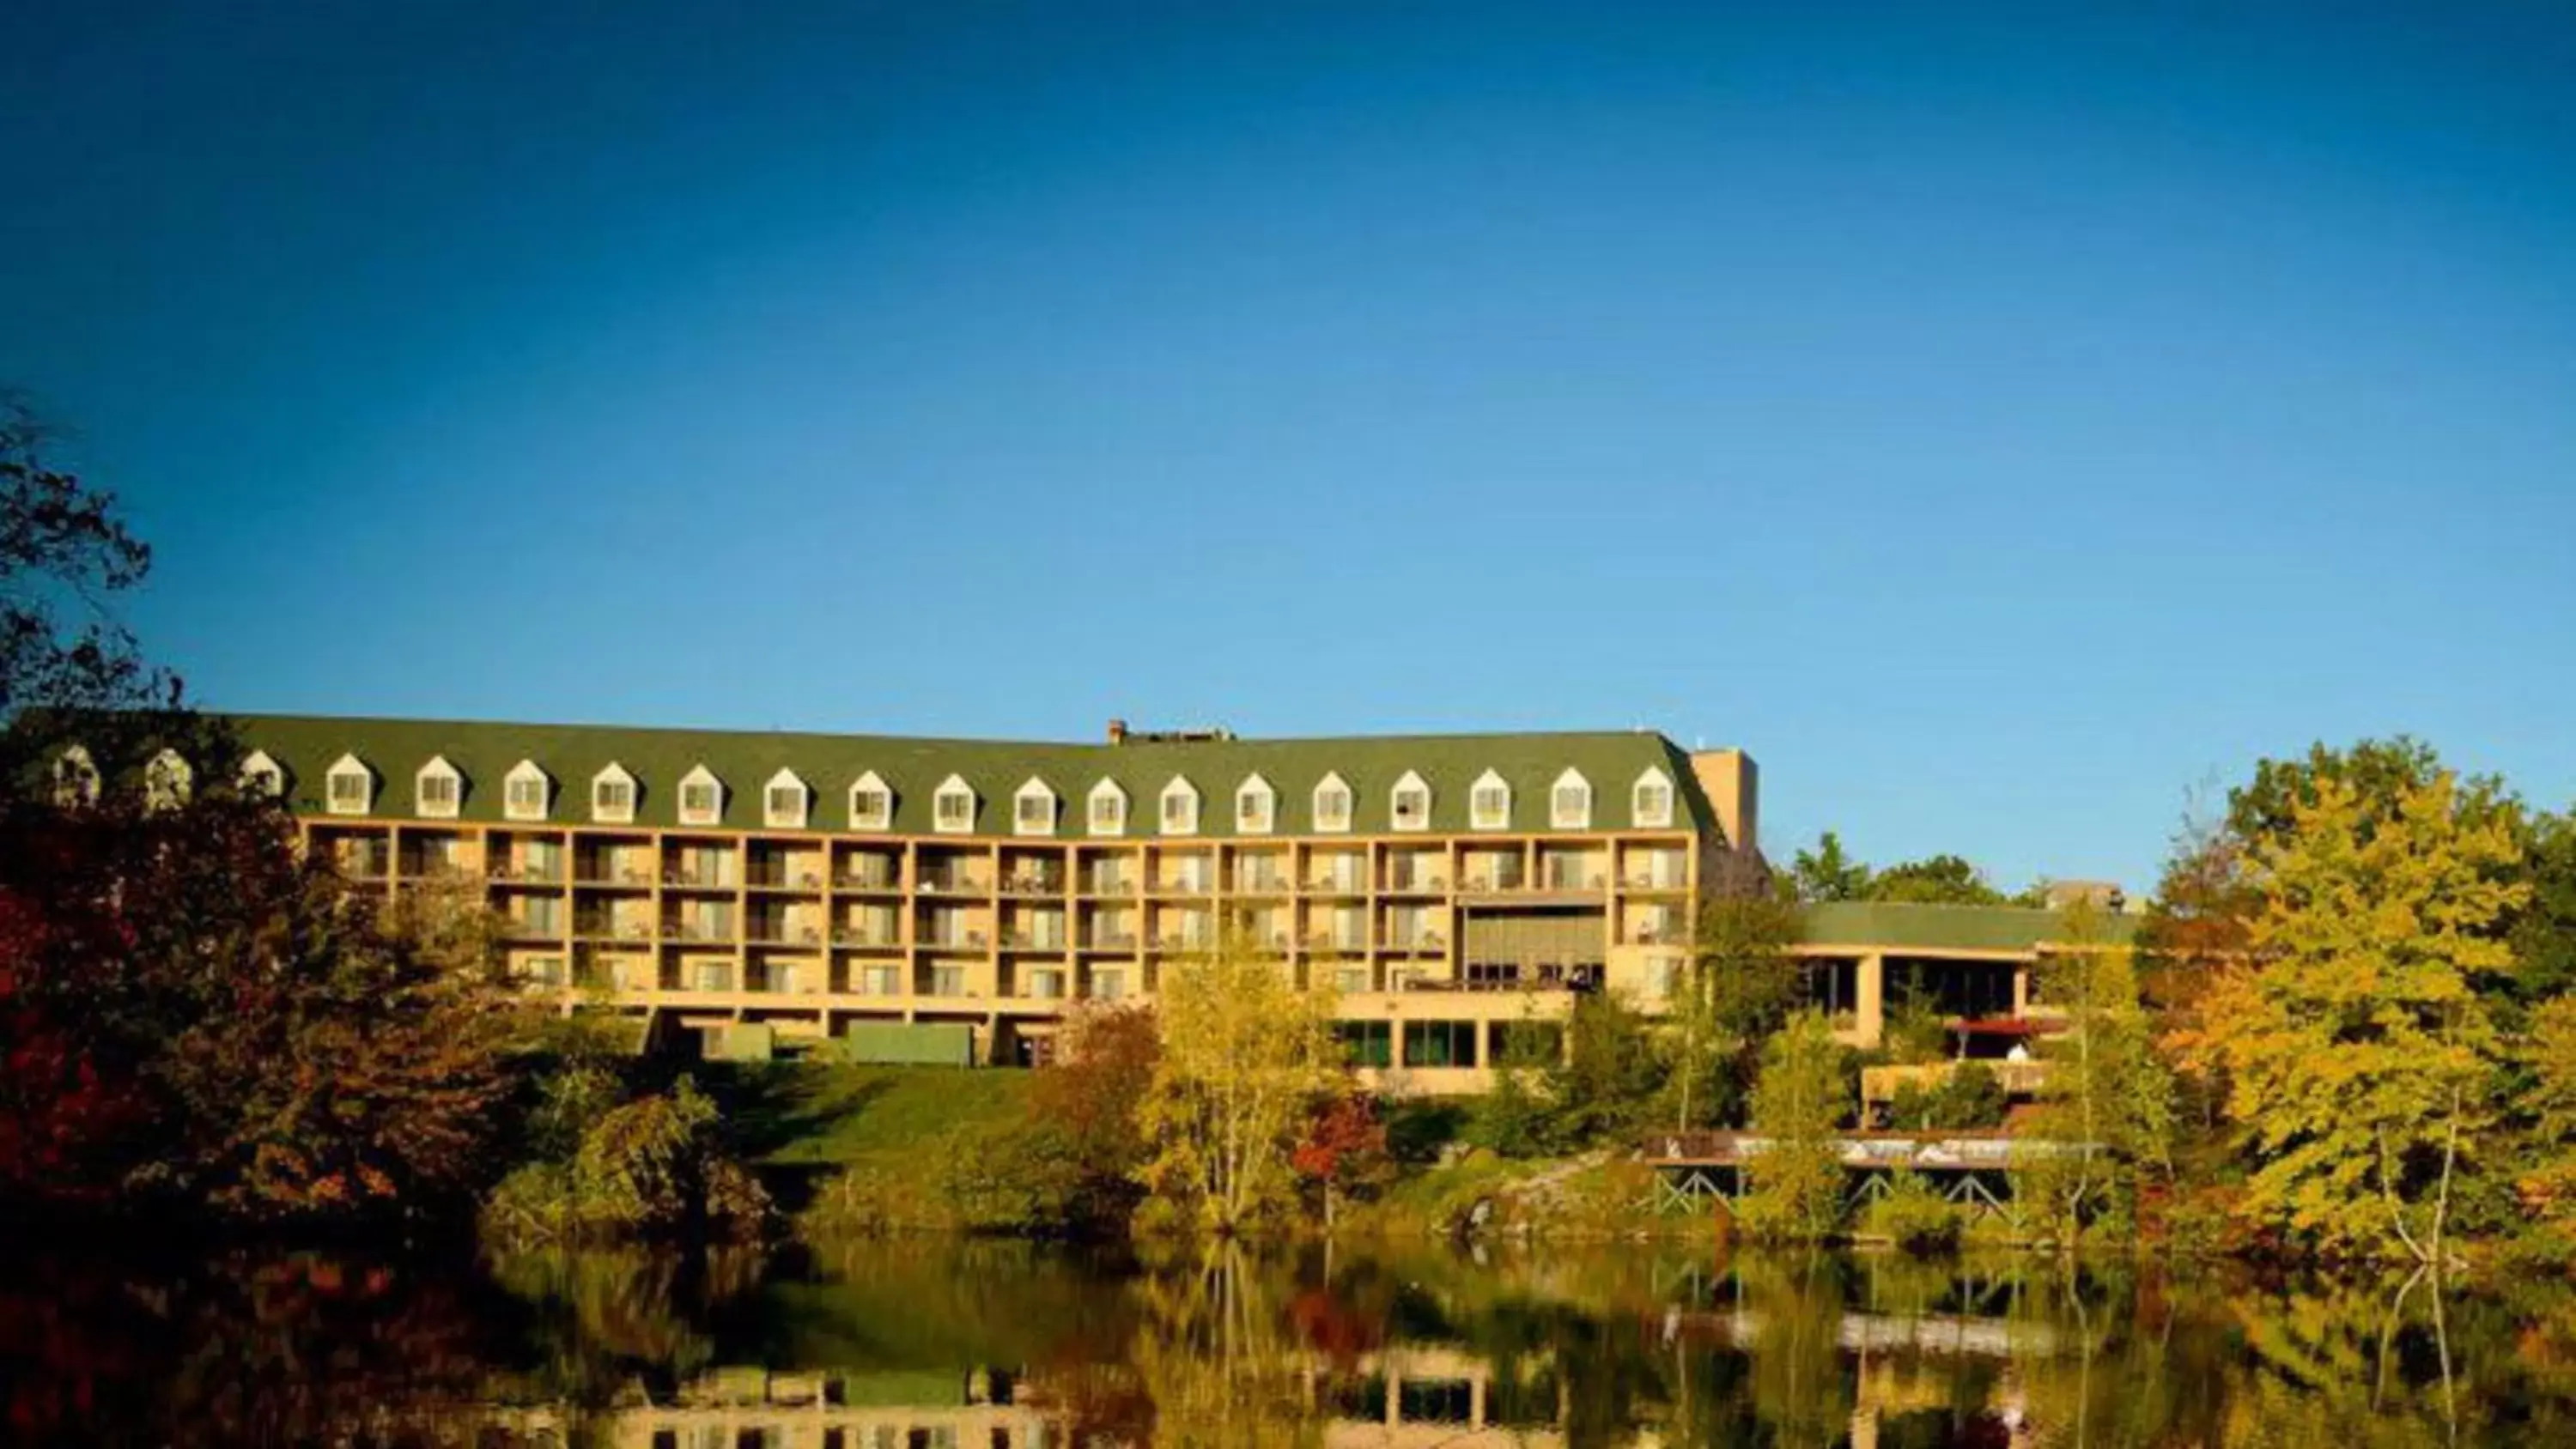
(1342, 1152)
(1801, 1102)
(1093, 1091)
(2360, 1059)
(1245, 1053)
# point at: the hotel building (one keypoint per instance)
(922, 899)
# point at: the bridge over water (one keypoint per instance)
(1696, 1172)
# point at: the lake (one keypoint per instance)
(941, 1344)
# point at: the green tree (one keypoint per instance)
(1826, 873)
(1801, 1102)
(1603, 1088)
(2544, 931)
(1742, 982)
(2360, 1059)
(1939, 880)
(1514, 1119)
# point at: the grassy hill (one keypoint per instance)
(799, 1114)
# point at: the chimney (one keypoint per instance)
(1118, 732)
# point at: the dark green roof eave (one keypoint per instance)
(1893, 927)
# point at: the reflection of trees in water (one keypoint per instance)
(301, 1348)
(1222, 1346)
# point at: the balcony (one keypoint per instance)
(952, 883)
(1489, 882)
(1033, 883)
(1415, 882)
(787, 880)
(698, 880)
(1420, 942)
(1574, 880)
(1264, 882)
(881, 880)
(610, 873)
(1342, 943)
(507, 874)
(954, 940)
(700, 931)
(519, 928)
(865, 940)
(1033, 940)
(1108, 883)
(769, 933)
(1110, 941)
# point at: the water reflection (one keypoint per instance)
(966, 1345)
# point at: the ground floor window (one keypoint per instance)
(1440, 1043)
(1365, 1043)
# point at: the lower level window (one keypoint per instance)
(1366, 1043)
(947, 980)
(880, 981)
(1351, 980)
(1439, 1043)
(714, 976)
(546, 970)
(1108, 985)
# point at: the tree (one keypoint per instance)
(2106, 1089)
(1514, 1119)
(63, 552)
(1093, 1092)
(1939, 880)
(2359, 1058)
(1343, 1151)
(1827, 874)
(1244, 1055)
(1742, 982)
(2544, 931)
(1800, 1103)
(1603, 1088)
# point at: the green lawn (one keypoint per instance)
(807, 1114)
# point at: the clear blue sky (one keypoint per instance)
(2000, 421)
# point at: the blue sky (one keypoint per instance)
(2001, 421)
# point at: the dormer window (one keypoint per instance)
(526, 793)
(1409, 803)
(1651, 807)
(166, 781)
(1108, 809)
(871, 803)
(1033, 809)
(701, 797)
(75, 778)
(612, 796)
(1332, 805)
(1569, 802)
(952, 810)
(1489, 803)
(1256, 805)
(261, 775)
(784, 802)
(349, 788)
(1180, 807)
(437, 790)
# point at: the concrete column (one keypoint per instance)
(1869, 1005)
(2021, 991)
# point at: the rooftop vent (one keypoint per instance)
(1120, 734)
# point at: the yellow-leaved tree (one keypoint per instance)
(1245, 1054)
(2360, 1059)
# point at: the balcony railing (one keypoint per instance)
(1345, 883)
(952, 883)
(597, 874)
(859, 936)
(527, 874)
(1110, 941)
(709, 880)
(1417, 881)
(699, 931)
(787, 880)
(866, 880)
(771, 934)
(1260, 883)
(955, 940)
(1033, 883)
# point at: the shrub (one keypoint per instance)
(654, 1167)
(1912, 1214)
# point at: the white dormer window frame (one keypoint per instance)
(75, 777)
(1650, 800)
(613, 792)
(1256, 807)
(1033, 808)
(701, 797)
(952, 808)
(1330, 806)
(263, 774)
(1179, 812)
(167, 781)
(871, 803)
(1408, 804)
(1569, 801)
(527, 792)
(1105, 812)
(785, 802)
(437, 790)
(1489, 802)
(348, 787)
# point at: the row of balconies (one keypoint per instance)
(1036, 983)
(715, 868)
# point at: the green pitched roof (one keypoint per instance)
(1898, 926)
(307, 746)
